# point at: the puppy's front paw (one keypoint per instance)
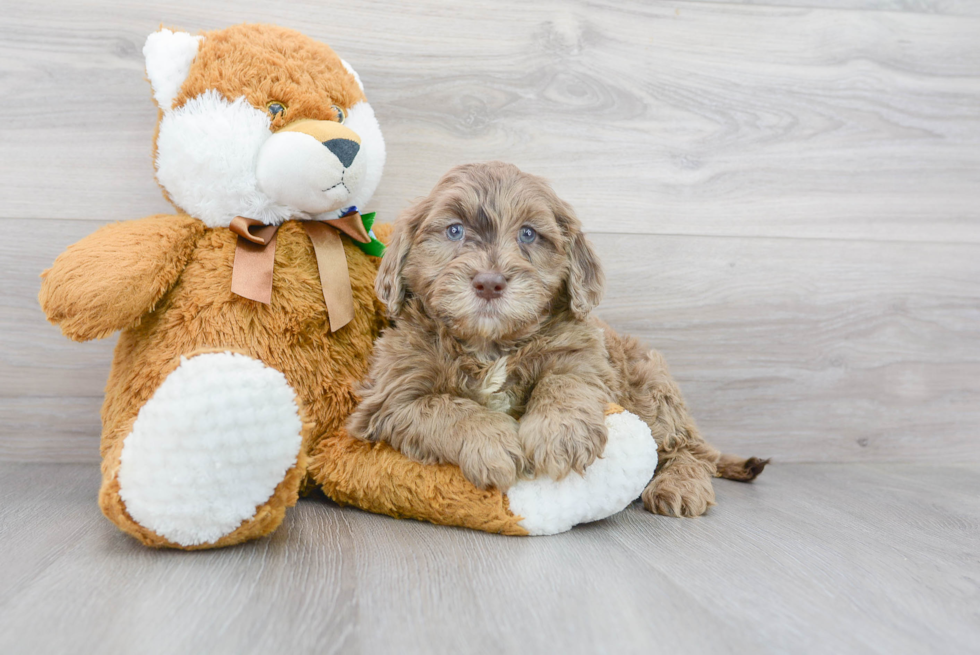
(557, 441)
(675, 493)
(491, 456)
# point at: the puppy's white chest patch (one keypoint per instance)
(490, 387)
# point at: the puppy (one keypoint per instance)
(494, 362)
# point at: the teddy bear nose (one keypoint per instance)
(345, 149)
(489, 285)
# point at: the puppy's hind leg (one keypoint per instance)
(682, 483)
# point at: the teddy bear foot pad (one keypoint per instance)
(609, 485)
(210, 448)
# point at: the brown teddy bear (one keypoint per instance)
(248, 316)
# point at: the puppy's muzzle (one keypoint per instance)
(489, 284)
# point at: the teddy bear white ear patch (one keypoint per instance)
(169, 56)
(350, 69)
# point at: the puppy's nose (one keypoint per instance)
(345, 149)
(489, 285)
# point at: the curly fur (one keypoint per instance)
(515, 386)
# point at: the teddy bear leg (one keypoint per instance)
(608, 485)
(214, 456)
(378, 478)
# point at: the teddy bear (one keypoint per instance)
(247, 317)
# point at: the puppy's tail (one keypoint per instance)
(732, 467)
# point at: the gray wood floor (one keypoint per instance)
(820, 558)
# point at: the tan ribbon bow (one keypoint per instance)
(255, 257)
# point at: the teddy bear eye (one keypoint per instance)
(341, 116)
(455, 232)
(275, 108)
(527, 235)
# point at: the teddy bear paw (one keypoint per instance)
(609, 484)
(209, 448)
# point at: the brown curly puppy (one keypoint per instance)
(494, 362)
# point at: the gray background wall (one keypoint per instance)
(786, 195)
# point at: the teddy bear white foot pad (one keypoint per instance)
(609, 485)
(209, 447)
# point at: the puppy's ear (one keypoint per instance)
(390, 283)
(586, 280)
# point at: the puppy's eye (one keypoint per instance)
(341, 116)
(527, 235)
(455, 232)
(275, 108)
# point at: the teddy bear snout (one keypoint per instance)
(344, 149)
(312, 170)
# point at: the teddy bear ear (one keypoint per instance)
(350, 69)
(169, 56)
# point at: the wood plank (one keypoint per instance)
(847, 537)
(809, 559)
(946, 7)
(804, 350)
(811, 350)
(676, 118)
(29, 345)
(52, 429)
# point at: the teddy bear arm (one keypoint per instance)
(114, 276)
(379, 479)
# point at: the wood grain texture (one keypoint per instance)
(668, 118)
(946, 7)
(809, 559)
(29, 345)
(810, 350)
(50, 429)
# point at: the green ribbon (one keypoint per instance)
(374, 248)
